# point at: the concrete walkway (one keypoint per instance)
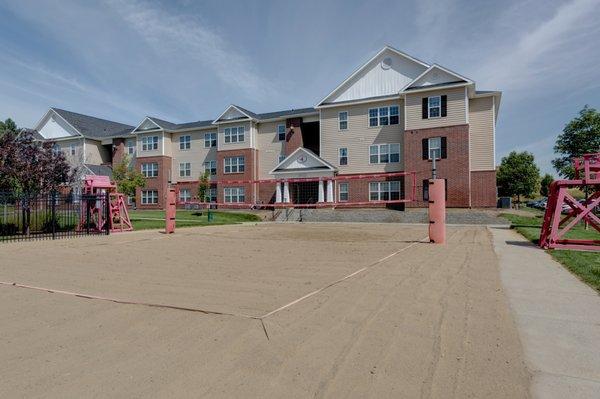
(558, 318)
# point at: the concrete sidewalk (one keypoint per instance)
(558, 318)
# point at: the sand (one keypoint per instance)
(428, 322)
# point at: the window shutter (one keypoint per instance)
(444, 148)
(425, 144)
(444, 105)
(425, 189)
(424, 109)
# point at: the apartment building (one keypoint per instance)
(395, 113)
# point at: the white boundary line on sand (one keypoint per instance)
(377, 262)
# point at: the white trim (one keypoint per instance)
(84, 152)
(429, 108)
(360, 101)
(284, 117)
(146, 131)
(436, 66)
(363, 66)
(494, 128)
(438, 88)
(51, 110)
(216, 121)
(308, 153)
(163, 143)
(466, 105)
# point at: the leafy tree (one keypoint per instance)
(128, 178)
(580, 136)
(518, 175)
(545, 184)
(8, 126)
(204, 186)
(29, 167)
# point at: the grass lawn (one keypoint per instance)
(150, 219)
(586, 265)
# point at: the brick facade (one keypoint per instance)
(160, 183)
(293, 137)
(250, 172)
(455, 168)
(118, 151)
(483, 189)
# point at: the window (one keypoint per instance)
(384, 153)
(343, 192)
(210, 139)
(234, 194)
(211, 194)
(56, 149)
(72, 149)
(234, 164)
(343, 120)
(150, 169)
(435, 147)
(234, 134)
(384, 191)
(149, 197)
(149, 143)
(185, 169)
(383, 116)
(210, 167)
(185, 142)
(130, 147)
(343, 156)
(434, 106)
(281, 132)
(280, 159)
(185, 195)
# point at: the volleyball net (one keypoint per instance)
(360, 190)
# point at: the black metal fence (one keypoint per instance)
(51, 216)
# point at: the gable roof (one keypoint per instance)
(436, 76)
(291, 162)
(417, 67)
(99, 170)
(92, 127)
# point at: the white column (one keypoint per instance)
(278, 193)
(329, 190)
(321, 191)
(286, 192)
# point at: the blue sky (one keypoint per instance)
(186, 60)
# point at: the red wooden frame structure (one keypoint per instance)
(117, 216)
(556, 226)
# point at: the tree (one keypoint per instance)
(128, 178)
(8, 126)
(204, 186)
(29, 167)
(545, 184)
(580, 136)
(518, 175)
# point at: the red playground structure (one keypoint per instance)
(556, 226)
(114, 213)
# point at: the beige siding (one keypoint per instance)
(223, 146)
(358, 137)
(481, 133)
(65, 146)
(154, 153)
(456, 114)
(269, 148)
(196, 155)
(96, 153)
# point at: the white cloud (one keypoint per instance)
(174, 35)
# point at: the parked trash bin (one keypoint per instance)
(504, 202)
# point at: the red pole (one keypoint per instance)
(170, 211)
(437, 211)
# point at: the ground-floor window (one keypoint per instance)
(384, 191)
(149, 197)
(185, 195)
(211, 194)
(234, 194)
(343, 192)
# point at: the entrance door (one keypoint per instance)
(305, 192)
